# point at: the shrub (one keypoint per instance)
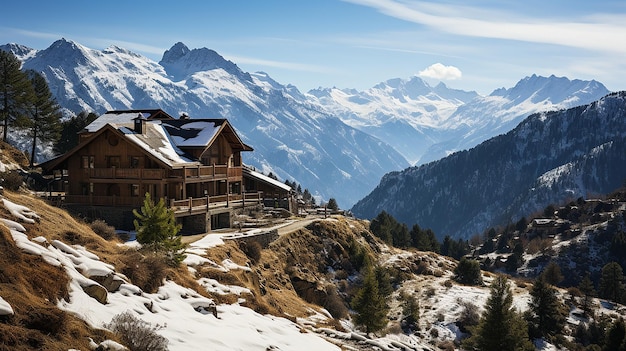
(334, 304)
(11, 180)
(147, 272)
(101, 228)
(469, 316)
(136, 334)
(468, 272)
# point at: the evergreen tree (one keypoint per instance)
(501, 328)
(15, 92)
(546, 314)
(157, 229)
(552, 274)
(615, 336)
(70, 129)
(45, 122)
(411, 313)
(424, 240)
(332, 204)
(611, 282)
(468, 272)
(385, 288)
(382, 227)
(369, 304)
(454, 249)
(587, 289)
(400, 235)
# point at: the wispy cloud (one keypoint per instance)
(292, 66)
(584, 33)
(132, 46)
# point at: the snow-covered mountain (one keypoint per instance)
(498, 113)
(405, 113)
(427, 123)
(549, 158)
(292, 137)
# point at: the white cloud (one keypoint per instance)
(441, 72)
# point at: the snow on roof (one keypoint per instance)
(156, 141)
(269, 180)
(195, 133)
(118, 119)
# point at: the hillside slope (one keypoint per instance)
(548, 158)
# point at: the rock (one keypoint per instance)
(111, 282)
(98, 292)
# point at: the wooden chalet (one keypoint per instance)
(275, 193)
(194, 164)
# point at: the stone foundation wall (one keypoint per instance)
(264, 238)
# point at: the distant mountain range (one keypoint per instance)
(292, 137)
(338, 143)
(427, 123)
(549, 158)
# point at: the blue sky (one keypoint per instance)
(470, 45)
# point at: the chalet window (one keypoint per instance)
(134, 162)
(87, 162)
(113, 161)
(134, 190)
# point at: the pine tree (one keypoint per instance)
(45, 122)
(587, 289)
(611, 282)
(332, 204)
(157, 229)
(15, 92)
(615, 336)
(546, 314)
(468, 272)
(501, 328)
(70, 129)
(552, 274)
(369, 303)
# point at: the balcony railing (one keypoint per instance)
(209, 202)
(210, 172)
(134, 201)
(126, 173)
(189, 205)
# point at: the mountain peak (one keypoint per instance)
(177, 51)
(180, 62)
(551, 89)
(22, 52)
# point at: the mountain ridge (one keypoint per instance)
(293, 138)
(484, 186)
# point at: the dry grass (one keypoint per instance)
(32, 288)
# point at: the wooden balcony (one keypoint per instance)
(204, 204)
(180, 207)
(126, 173)
(93, 200)
(217, 172)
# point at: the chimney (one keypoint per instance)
(140, 124)
(184, 115)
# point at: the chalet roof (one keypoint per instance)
(184, 133)
(265, 179)
(125, 117)
(165, 138)
(157, 142)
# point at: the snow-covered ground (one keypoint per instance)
(182, 313)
